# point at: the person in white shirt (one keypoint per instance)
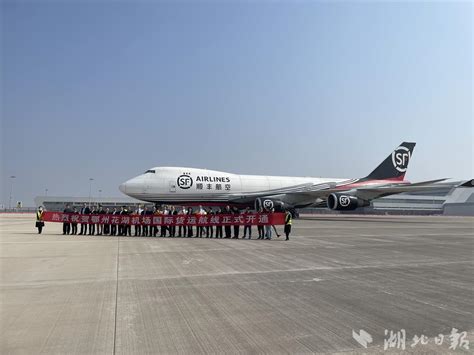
(182, 229)
(138, 227)
(200, 231)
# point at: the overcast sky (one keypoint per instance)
(109, 89)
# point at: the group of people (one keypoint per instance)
(228, 231)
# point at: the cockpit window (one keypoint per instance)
(150, 171)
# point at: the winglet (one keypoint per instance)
(468, 183)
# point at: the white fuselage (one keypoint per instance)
(175, 185)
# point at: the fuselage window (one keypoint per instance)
(150, 171)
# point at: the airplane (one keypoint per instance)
(191, 186)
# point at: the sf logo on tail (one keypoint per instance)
(400, 158)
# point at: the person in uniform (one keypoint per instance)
(288, 220)
(67, 225)
(39, 219)
(85, 210)
(74, 224)
(227, 228)
(247, 227)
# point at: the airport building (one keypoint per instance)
(58, 203)
(447, 200)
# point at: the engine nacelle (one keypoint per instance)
(341, 202)
(271, 203)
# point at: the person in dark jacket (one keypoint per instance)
(107, 226)
(164, 228)
(219, 227)
(67, 225)
(151, 229)
(260, 228)
(121, 227)
(190, 228)
(236, 212)
(210, 229)
(227, 228)
(113, 227)
(247, 227)
(182, 232)
(144, 226)
(92, 225)
(84, 210)
(288, 221)
(172, 228)
(100, 227)
(127, 227)
(74, 224)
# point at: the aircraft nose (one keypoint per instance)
(133, 186)
(123, 188)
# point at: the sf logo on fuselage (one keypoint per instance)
(185, 181)
(400, 159)
(268, 204)
(344, 201)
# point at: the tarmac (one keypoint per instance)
(337, 275)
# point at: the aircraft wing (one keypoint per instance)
(308, 192)
(367, 193)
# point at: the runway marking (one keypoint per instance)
(189, 261)
(46, 283)
(312, 280)
(329, 268)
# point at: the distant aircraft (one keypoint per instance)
(190, 186)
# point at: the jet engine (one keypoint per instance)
(269, 203)
(341, 202)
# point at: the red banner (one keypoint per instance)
(168, 220)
